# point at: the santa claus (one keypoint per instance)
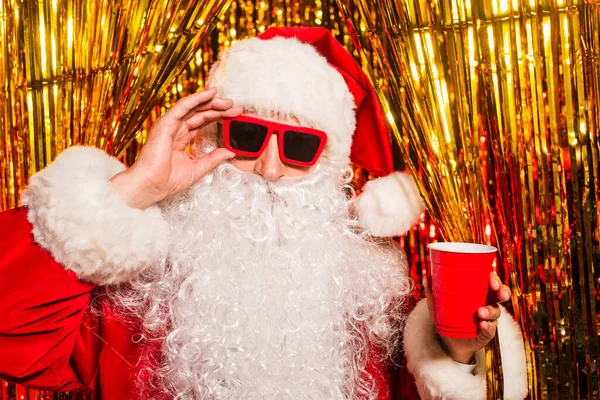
(245, 268)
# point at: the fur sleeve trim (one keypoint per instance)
(78, 217)
(438, 377)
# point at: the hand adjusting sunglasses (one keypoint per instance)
(249, 136)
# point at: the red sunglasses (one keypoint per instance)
(249, 136)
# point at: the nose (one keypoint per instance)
(269, 164)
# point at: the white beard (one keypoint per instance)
(269, 293)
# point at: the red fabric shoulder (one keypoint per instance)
(403, 383)
(42, 306)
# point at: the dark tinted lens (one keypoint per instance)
(247, 136)
(300, 146)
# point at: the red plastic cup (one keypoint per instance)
(460, 283)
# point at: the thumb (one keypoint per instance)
(210, 161)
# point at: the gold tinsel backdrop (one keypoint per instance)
(495, 104)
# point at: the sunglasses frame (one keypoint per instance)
(280, 128)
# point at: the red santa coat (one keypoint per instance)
(50, 338)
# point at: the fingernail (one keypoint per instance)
(484, 312)
(484, 325)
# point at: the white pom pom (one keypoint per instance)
(389, 206)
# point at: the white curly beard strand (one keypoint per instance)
(269, 292)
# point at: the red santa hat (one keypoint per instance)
(307, 74)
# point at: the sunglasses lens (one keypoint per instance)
(246, 136)
(300, 146)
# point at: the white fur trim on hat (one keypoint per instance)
(437, 376)
(389, 206)
(285, 77)
(78, 217)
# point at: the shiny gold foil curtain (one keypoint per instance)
(86, 72)
(552, 287)
(498, 105)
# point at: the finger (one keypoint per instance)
(217, 103)
(428, 293)
(495, 281)
(210, 161)
(205, 117)
(487, 331)
(489, 313)
(214, 104)
(504, 294)
(185, 105)
(499, 296)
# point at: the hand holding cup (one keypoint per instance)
(463, 295)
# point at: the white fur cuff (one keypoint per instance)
(78, 217)
(438, 377)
